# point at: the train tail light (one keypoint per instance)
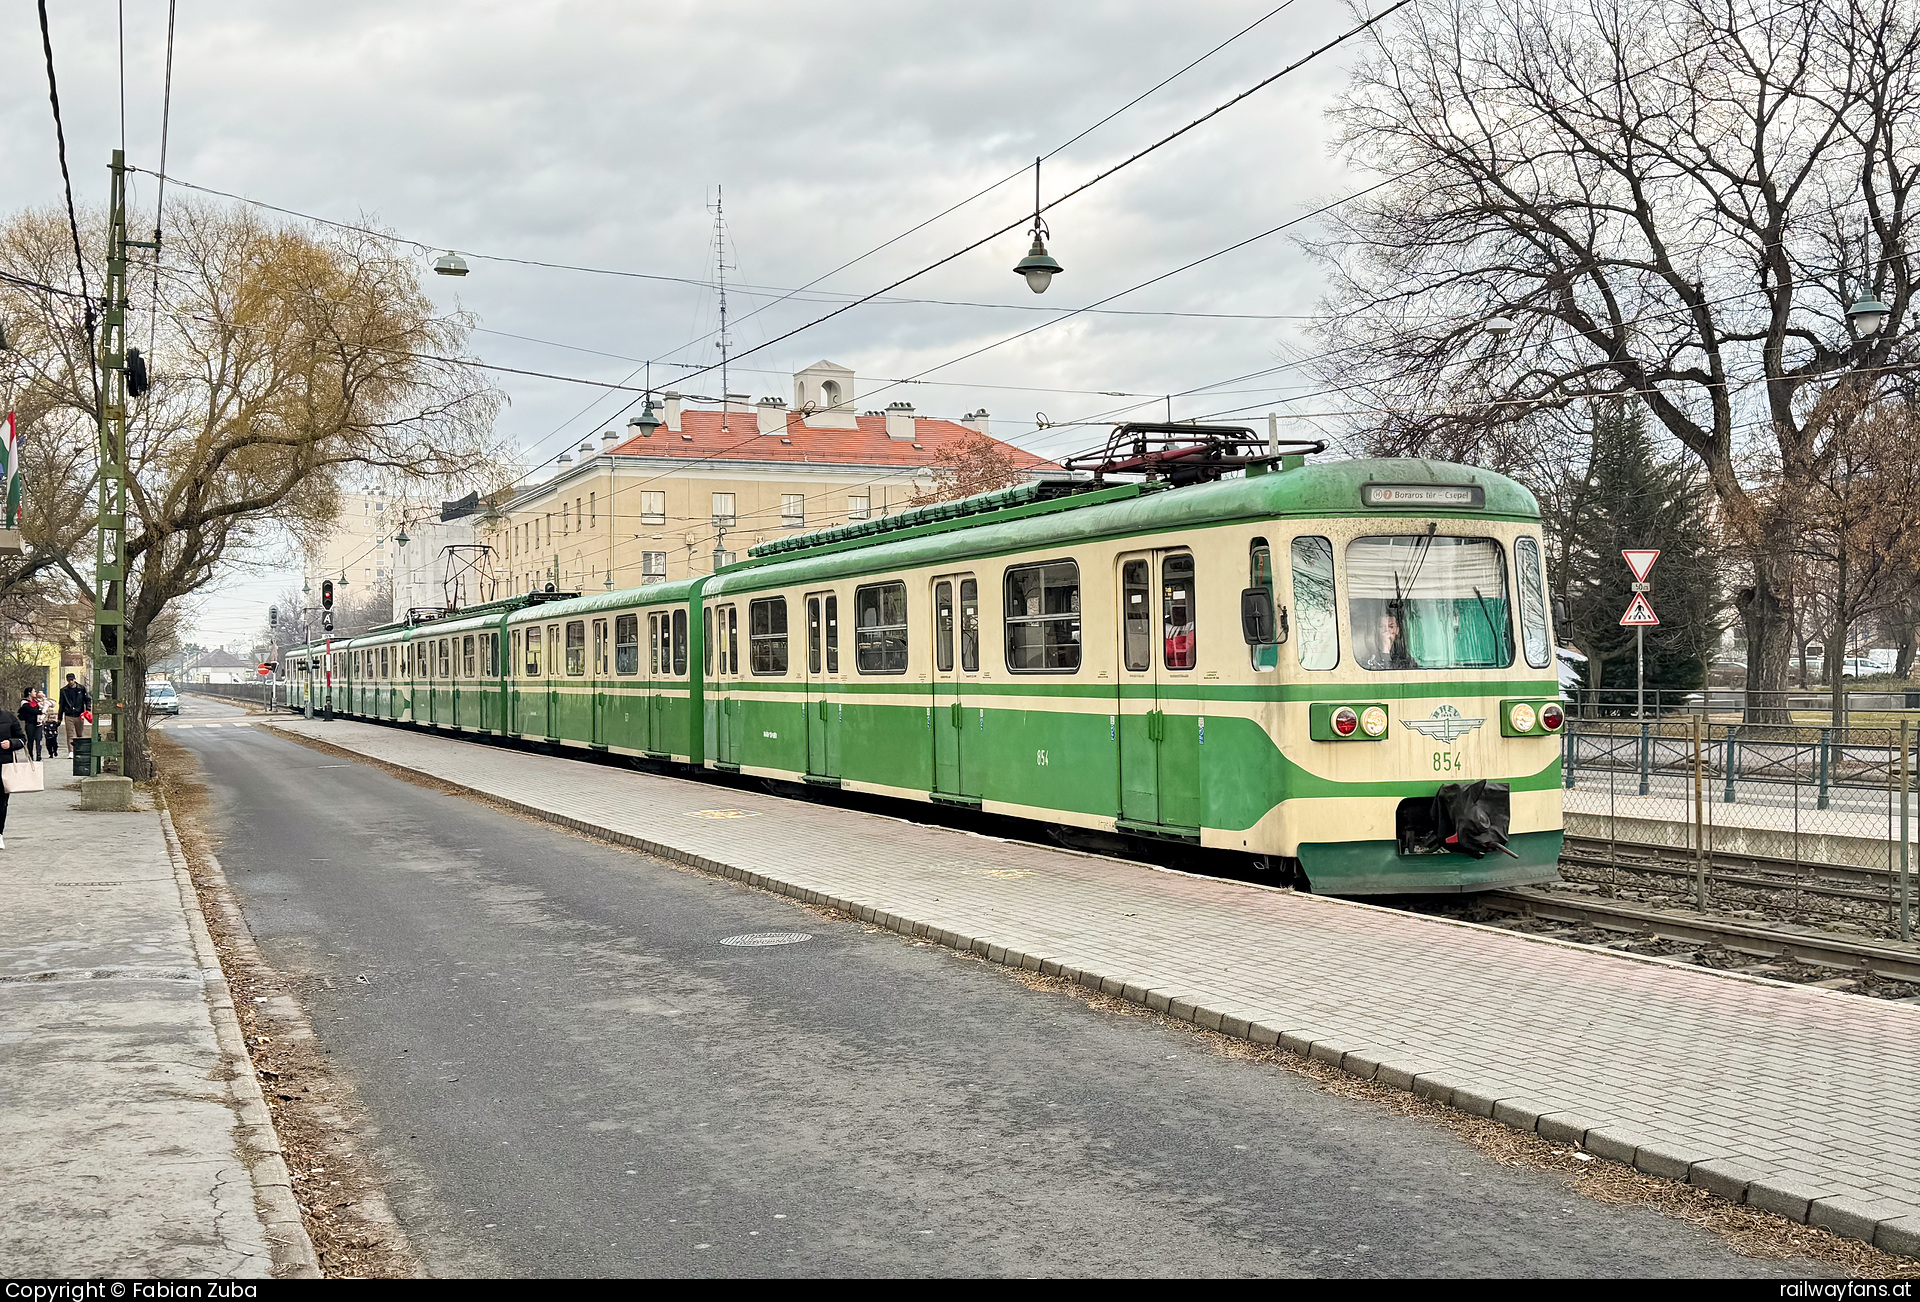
(1345, 720)
(1552, 717)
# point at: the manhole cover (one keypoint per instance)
(761, 938)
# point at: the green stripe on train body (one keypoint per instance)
(1220, 753)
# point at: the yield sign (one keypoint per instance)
(1640, 560)
(1639, 613)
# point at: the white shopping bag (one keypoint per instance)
(23, 775)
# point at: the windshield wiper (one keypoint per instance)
(1499, 635)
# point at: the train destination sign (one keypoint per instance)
(1473, 496)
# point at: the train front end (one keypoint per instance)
(1414, 681)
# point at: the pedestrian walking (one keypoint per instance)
(13, 744)
(30, 718)
(75, 701)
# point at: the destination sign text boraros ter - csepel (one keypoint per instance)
(1428, 495)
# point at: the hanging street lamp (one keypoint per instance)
(646, 422)
(1867, 315)
(449, 264)
(1038, 266)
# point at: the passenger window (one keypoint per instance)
(833, 633)
(553, 649)
(969, 626)
(767, 635)
(943, 626)
(1313, 608)
(653, 644)
(1043, 618)
(813, 635)
(626, 644)
(493, 655)
(733, 639)
(680, 642)
(600, 648)
(576, 648)
(386, 663)
(466, 655)
(533, 652)
(706, 640)
(1533, 603)
(1136, 617)
(880, 628)
(446, 659)
(1178, 649)
(1266, 656)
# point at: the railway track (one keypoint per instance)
(1892, 962)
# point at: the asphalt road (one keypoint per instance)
(570, 1074)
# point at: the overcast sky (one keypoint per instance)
(595, 133)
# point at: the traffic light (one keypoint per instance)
(326, 620)
(326, 594)
(273, 616)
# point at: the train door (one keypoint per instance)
(1159, 750)
(550, 686)
(823, 676)
(656, 665)
(602, 669)
(956, 663)
(726, 634)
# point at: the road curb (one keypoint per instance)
(1893, 1231)
(292, 1250)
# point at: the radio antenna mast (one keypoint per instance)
(721, 268)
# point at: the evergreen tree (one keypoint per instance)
(1629, 496)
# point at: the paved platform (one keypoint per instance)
(1796, 1100)
(133, 1137)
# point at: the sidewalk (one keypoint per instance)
(1797, 1100)
(134, 1140)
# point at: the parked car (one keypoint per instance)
(162, 699)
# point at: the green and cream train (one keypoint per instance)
(1303, 665)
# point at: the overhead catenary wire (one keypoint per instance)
(160, 180)
(73, 222)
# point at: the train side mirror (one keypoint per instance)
(1260, 623)
(1562, 626)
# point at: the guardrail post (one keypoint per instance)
(1731, 753)
(1823, 765)
(1569, 750)
(1646, 754)
(1906, 896)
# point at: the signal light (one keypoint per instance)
(326, 594)
(1551, 717)
(1344, 721)
(1523, 717)
(1373, 721)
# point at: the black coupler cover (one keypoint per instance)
(1472, 819)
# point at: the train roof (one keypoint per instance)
(1040, 521)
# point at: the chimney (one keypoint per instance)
(773, 415)
(607, 439)
(673, 411)
(900, 421)
(586, 451)
(737, 402)
(976, 421)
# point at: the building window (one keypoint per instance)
(880, 628)
(767, 635)
(593, 510)
(793, 510)
(566, 520)
(723, 510)
(653, 567)
(1043, 618)
(858, 508)
(653, 507)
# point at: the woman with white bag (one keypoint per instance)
(17, 772)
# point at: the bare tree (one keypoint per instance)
(978, 464)
(285, 366)
(1676, 199)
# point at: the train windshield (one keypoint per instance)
(1421, 601)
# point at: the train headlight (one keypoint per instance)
(1373, 721)
(1523, 717)
(1345, 721)
(1551, 717)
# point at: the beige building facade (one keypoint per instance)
(688, 488)
(361, 548)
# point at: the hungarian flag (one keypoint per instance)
(10, 472)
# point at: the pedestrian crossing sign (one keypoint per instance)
(1639, 613)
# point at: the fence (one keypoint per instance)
(268, 695)
(1794, 820)
(1881, 706)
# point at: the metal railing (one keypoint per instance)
(1780, 820)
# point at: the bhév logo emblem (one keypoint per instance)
(1446, 725)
